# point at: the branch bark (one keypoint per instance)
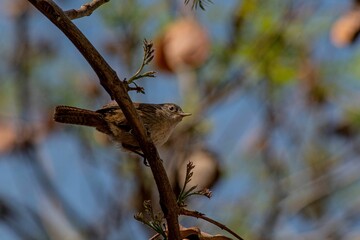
(118, 91)
(85, 10)
(196, 214)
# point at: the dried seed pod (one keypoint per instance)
(346, 29)
(8, 137)
(206, 171)
(183, 44)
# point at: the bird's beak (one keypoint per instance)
(184, 114)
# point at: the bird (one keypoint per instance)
(159, 120)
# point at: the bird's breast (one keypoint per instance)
(161, 133)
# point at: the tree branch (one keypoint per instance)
(197, 214)
(118, 91)
(85, 10)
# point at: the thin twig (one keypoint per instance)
(155, 236)
(197, 214)
(148, 56)
(85, 10)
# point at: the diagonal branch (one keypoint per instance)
(85, 10)
(118, 91)
(197, 214)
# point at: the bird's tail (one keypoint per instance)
(79, 116)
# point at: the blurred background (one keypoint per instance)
(274, 91)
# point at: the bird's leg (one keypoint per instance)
(135, 150)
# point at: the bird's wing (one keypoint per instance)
(112, 113)
(113, 104)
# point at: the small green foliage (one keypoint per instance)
(184, 194)
(198, 3)
(154, 221)
(148, 52)
(148, 57)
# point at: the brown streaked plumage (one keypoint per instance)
(159, 119)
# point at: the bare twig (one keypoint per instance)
(137, 88)
(118, 91)
(155, 237)
(197, 214)
(85, 10)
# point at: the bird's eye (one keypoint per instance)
(172, 108)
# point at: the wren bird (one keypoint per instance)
(159, 120)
